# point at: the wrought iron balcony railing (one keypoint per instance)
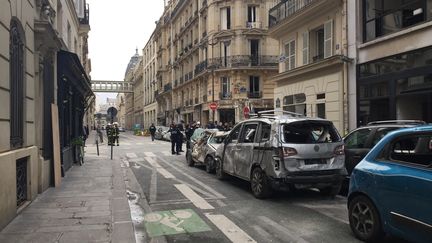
(86, 19)
(199, 68)
(242, 61)
(167, 87)
(286, 9)
(225, 95)
(255, 95)
(253, 25)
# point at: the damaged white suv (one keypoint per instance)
(291, 150)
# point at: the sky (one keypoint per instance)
(117, 29)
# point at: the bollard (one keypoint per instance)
(112, 152)
(97, 146)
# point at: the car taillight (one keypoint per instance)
(287, 152)
(339, 150)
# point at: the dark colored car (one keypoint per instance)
(390, 189)
(361, 140)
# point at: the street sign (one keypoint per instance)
(213, 106)
(112, 112)
(246, 110)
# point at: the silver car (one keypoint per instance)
(272, 151)
(203, 147)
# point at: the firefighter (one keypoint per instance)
(116, 134)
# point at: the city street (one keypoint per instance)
(171, 202)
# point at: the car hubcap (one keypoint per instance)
(362, 218)
(257, 182)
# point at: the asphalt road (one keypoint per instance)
(171, 202)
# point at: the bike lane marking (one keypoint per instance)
(229, 228)
(196, 199)
(159, 168)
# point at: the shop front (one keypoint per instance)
(396, 88)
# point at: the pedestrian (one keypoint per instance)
(174, 137)
(116, 134)
(181, 129)
(179, 141)
(219, 126)
(152, 130)
(189, 132)
(109, 133)
(99, 133)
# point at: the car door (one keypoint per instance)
(245, 150)
(356, 147)
(406, 185)
(230, 149)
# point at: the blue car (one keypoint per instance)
(391, 188)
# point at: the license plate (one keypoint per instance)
(315, 161)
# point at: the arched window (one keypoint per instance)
(16, 64)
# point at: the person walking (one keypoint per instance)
(152, 130)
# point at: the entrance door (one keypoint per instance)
(227, 115)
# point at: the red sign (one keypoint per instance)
(246, 111)
(213, 106)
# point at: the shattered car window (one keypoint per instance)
(310, 132)
(217, 139)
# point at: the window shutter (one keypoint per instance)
(305, 48)
(292, 55)
(328, 39)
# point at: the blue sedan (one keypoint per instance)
(391, 188)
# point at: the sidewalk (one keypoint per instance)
(90, 206)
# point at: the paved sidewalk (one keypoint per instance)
(90, 206)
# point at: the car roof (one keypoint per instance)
(284, 119)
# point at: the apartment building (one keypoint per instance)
(214, 52)
(313, 66)
(121, 114)
(150, 85)
(391, 44)
(134, 101)
(43, 61)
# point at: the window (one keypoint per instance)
(321, 110)
(226, 18)
(381, 17)
(254, 52)
(295, 103)
(16, 72)
(318, 39)
(380, 133)
(290, 54)
(357, 139)
(414, 149)
(252, 14)
(310, 133)
(265, 132)
(254, 86)
(249, 131)
(235, 134)
(305, 48)
(226, 88)
(225, 53)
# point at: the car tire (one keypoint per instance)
(209, 164)
(332, 190)
(220, 174)
(260, 184)
(189, 159)
(361, 213)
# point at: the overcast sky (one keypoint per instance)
(117, 29)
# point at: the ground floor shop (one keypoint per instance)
(396, 87)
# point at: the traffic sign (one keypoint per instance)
(213, 106)
(112, 112)
(246, 110)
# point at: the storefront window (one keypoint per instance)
(414, 84)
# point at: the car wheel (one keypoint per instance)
(220, 174)
(260, 184)
(189, 159)
(331, 191)
(364, 219)
(209, 164)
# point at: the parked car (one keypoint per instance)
(167, 135)
(203, 147)
(290, 149)
(361, 140)
(390, 189)
(122, 129)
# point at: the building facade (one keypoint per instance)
(214, 52)
(149, 78)
(134, 101)
(391, 45)
(314, 61)
(43, 62)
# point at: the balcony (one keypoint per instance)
(199, 68)
(286, 9)
(253, 25)
(86, 19)
(318, 57)
(225, 95)
(243, 61)
(255, 95)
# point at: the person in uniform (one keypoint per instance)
(174, 131)
(116, 134)
(152, 130)
(109, 134)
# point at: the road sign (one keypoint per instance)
(112, 112)
(213, 106)
(246, 110)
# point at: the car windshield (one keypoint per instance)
(308, 132)
(216, 139)
(197, 134)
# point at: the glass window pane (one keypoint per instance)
(357, 139)
(413, 149)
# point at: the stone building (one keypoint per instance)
(43, 61)
(120, 104)
(149, 79)
(391, 45)
(214, 51)
(134, 101)
(313, 71)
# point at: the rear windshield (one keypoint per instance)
(310, 132)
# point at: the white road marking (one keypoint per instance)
(149, 154)
(230, 230)
(166, 153)
(209, 189)
(291, 236)
(196, 199)
(220, 203)
(160, 169)
(131, 155)
(153, 185)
